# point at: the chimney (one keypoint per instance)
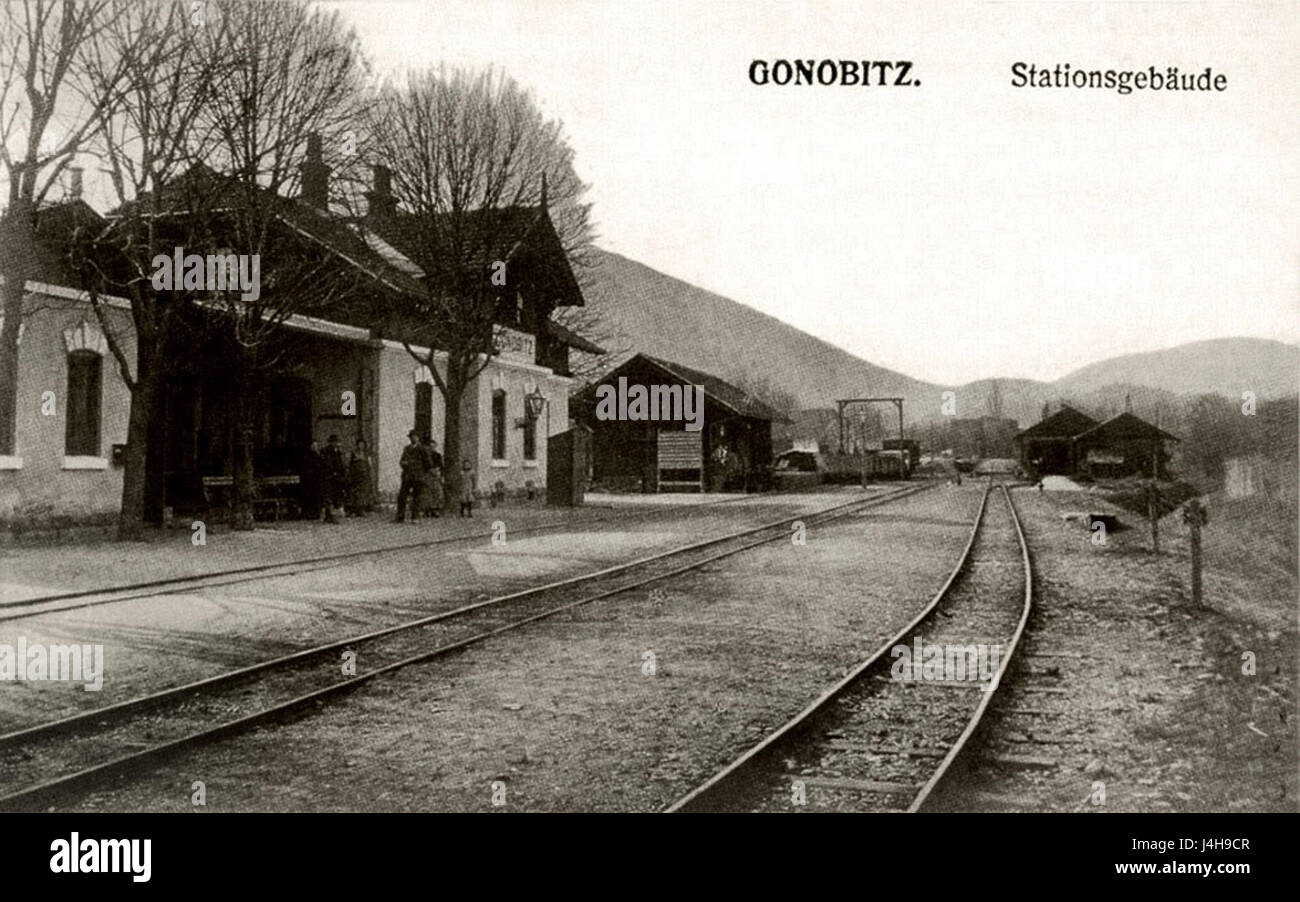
(381, 201)
(315, 174)
(74, 193)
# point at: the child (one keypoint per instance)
(467, 485)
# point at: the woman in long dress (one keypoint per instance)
(361, 484)
(432, 478)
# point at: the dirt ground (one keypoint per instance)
(569, 715)
(169, 638)
(1147, 700)
(1151, 697)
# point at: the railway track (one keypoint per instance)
(43, 764)
(53, 603)
(884, 737)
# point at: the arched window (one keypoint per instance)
(530, 440)
(498, 425)
(530, 424)
(83, 402)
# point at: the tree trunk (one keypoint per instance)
(453, 396)
(155, 455)
(241, 503)
(131, 517)
(17, 249)
(13, 316)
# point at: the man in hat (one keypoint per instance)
(413, 464)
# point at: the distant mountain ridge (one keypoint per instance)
(666, 317)
(652, 312)
(1225, 366)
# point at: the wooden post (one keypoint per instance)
(1195, 516)
(1196, 565)
(1153, 514)
(902, 449)
(1153, 503)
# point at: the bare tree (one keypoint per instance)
(468, 151)
(147, 137)
(46, 112)
(295, 76)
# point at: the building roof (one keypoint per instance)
(388, 248)
(717, 390)
(1124, 427)
(57, 228)
(200, 184)
(572, 339)
(1065, 423)
(483, 237)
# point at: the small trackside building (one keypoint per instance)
(731, 450)
(1071, 443)
(1124, 445)
(1047, 447)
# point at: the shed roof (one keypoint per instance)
(1125, 427)
(1065, 423)
(717, 390)
(739, 400)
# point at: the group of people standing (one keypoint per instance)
(332, 483)
(421, 487)
(422, 476)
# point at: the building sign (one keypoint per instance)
(514, 345)
(680, 453)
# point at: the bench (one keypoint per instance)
(268, 494)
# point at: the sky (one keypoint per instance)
(955, 230)
(959, 229)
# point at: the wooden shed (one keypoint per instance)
(1074, 444)
(1047, 447)
(726, 447)
(1124, 445)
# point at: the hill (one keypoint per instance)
(666, 317)
(1223, 366)
(642, 309)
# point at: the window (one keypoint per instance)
(424, 409)
(530, 439)
(82, 439)
(498, 425)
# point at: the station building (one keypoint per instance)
(73, 403)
